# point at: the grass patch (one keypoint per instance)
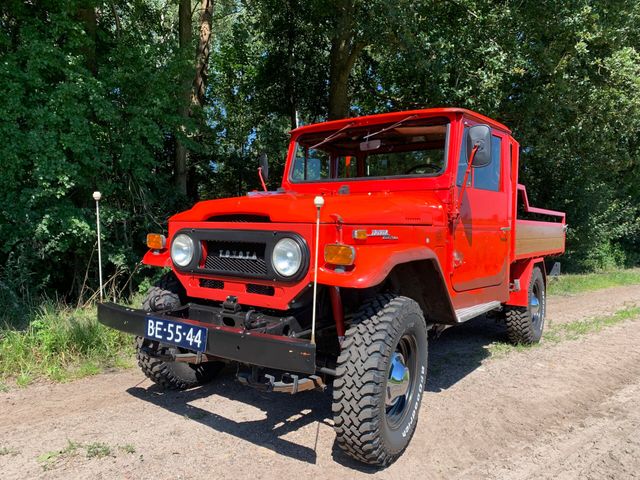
(98, 450)
(573, 330)
(568, 331)
(128, 448)
(60, 343)
(72, 449)
(49, 457)
(8, 451)
(568, 284)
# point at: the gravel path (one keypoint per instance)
(566, 410)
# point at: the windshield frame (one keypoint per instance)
(444, 120)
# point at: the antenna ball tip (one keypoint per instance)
(97, 196)
(318, 201)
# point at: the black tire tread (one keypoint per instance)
(520, 330)
(167, 294)
(360, 379)
(159, 371)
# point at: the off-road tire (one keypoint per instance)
(523, 327)
(360, 417)
(166, 294)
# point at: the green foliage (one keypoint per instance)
(60, 343)
(569, 284)
(68, 131)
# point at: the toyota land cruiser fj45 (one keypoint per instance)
(385, 227)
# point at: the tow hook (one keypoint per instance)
(288, 383)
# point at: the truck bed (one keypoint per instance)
(536, 238)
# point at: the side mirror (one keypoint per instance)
(479, 135)
(264, 165)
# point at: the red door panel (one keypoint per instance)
(482, 234)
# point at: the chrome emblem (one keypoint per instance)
(384, 234)
(238, 255)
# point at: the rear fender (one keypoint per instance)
(521, 273)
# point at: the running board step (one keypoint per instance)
(468, 313)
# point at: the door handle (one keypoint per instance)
(505, 229)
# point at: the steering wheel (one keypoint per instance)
(434, 168)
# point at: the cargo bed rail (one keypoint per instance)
(536, 238)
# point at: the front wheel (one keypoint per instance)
(167, 295)
(381, 374)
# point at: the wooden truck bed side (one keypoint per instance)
(534, 238)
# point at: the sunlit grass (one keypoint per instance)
(60, 344)
(556, 333)
(568, 284)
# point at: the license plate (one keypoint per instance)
(180, 334)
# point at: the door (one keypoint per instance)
(482, 233)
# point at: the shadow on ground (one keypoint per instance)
(306, 408)
(460, 350)
(453, 356)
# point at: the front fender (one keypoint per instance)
(157, 258)
(373, 264)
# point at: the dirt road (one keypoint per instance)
(565, 410)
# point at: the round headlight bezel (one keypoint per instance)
(295, 249)
(182, 240)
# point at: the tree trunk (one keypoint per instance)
(88, 18)
(193, 92)
(290, 85)
(344, 53)
(202, 53)
(184, 39)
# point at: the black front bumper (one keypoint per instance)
(238, 344)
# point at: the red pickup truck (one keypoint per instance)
(385, 227)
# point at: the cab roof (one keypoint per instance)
(397, 116)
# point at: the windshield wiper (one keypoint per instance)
(367, 137)
(332, 136)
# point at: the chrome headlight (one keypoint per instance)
(182, 250)
(287, 257)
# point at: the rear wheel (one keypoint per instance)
(165, 295)
(381, 375)
(525, 324)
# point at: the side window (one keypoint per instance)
(488, 178)
(484, 178)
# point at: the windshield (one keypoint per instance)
(405, 148)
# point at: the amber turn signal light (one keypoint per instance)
(337, 254)
(156, 241)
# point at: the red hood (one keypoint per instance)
(381, 208)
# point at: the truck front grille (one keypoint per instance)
(236, 258)
(241, 254)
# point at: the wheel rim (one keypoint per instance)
(400, 380)
(536, 305)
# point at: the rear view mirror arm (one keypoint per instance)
(464, 182)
